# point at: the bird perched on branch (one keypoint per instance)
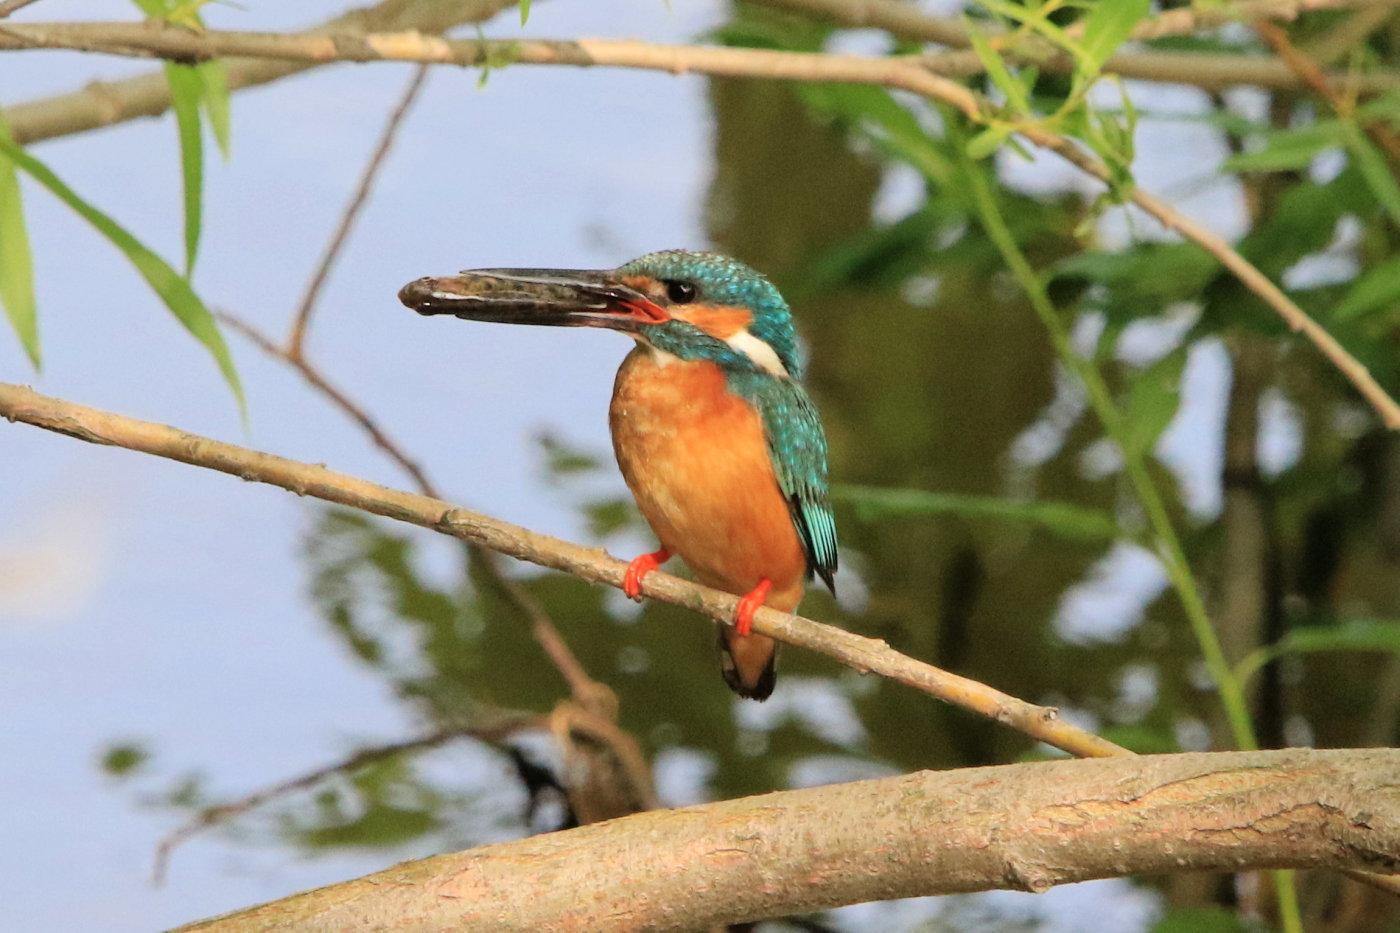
(717, 440)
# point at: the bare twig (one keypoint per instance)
(909, 22)
(1317, 81)
(104, 103)
(1211, 71)
(222, 813)
(352, 212)
(19, 403)
(11, 6)
(1024, 826)
(584, 688)
(342, 401)
(1254, 280)
(146, 40)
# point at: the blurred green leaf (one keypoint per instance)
(1377, 288)
(16, 260)
(1200, 920)
(1152, 402)
(996, 69)
(1062, 518)
(1374, 168)
(1354, 635)
(1288, 150)
(987, 142)
(186, 91)
(874, 112)
(608, 517)
(121, 760)
(380, 825)
(1140, 738)
(524, 12)
(562, 460)
(1140, 281)
(1106, 27)
(172, 288)
(215, 98)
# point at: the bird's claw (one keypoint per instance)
(748, 605)
(639, 568)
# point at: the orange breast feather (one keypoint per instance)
(695, 458)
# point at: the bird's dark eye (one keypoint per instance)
(680, 292)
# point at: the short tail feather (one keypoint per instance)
(748, 663)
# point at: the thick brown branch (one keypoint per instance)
(1024, 826)
(19, 403)
(104, 103)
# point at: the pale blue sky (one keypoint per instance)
(150, 600)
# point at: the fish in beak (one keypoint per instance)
(551, 297)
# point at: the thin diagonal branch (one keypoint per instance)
(352, 212)
(868, 655)
(584, 688)
(342, 401)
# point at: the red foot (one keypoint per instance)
(640, 567)
(743, 619)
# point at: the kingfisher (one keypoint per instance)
(717, 439)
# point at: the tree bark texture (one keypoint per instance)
(1024, 826)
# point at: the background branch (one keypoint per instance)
(1025, 826)
(104, 103)
(504, 725)
(19, 403)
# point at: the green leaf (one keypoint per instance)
(186, 91)
(1375, 170)
(996, 69)
(214, 77)
(1071, 521)
(1354, 635)
(1152, 402)
(524, 11)
(1376, 288)
(172, 288)
(1108, 26)
(121, 760)
(986, 142)
(16, 260)
(1288, 150)
(876, 115)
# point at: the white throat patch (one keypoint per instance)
(763, 356)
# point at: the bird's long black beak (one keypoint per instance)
(555, 297)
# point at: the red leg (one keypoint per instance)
(743, 619)
(640, 567)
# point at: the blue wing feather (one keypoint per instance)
(797, 448)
